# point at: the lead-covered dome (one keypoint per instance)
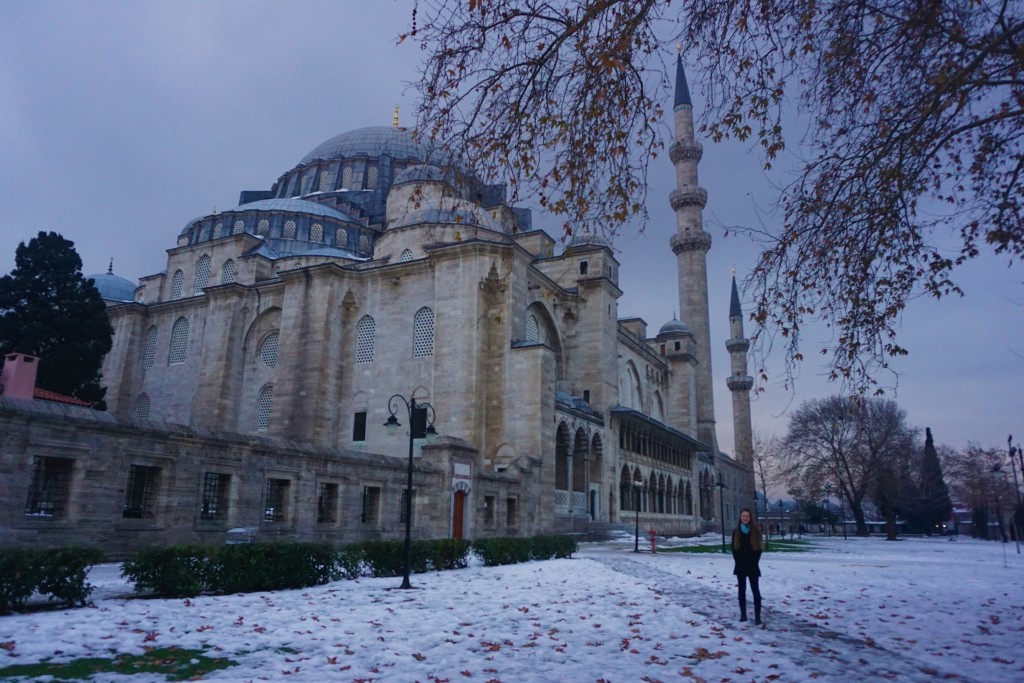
(113, 287)
(373, 142)
(674, 326)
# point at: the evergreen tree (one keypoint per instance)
(50, 310)
(934, 505)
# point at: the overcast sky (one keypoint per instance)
(122, 121)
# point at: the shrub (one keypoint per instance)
(59, 573)
(443, 554)
(387, 558)
(17, 578)
(548, 547)
(271, 566)
(348, 560)
(502, 550)
(175, 572)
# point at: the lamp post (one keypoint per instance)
(828, 511)
(842, 507)
(430, 434)
(638, 485)
(1013, 450)
(721, 507)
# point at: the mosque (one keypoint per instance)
(249, 384)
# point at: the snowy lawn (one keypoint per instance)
(862, 609)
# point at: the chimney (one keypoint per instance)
(19, 376)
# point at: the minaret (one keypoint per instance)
(740, 383)
(690, 245)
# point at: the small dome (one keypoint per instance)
(588, 239)
(423, 173)
(113, 287)
(674, 326)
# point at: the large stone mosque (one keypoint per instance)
(249, 384)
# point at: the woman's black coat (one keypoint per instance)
(746, 557)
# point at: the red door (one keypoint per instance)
(457, 513)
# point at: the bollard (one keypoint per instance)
(653, 547)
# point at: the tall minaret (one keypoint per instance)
(690, 245)
(740, 383)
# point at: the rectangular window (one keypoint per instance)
(359, 426)
(586, 395)
(489, 510)
(678, 346)
(50, 489)
(327, 504)
(512, 511)
(419, 423)
(583, 267)
(405, 498)
(371, 504)
(275, 506)
(140, 496)
(215, 496)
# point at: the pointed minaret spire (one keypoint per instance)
(734, 305)
(682, 89)
(740, 384)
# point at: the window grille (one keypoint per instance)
(263, 227)
(371, 177)
(406, 256)
(325, 181)
(179, 342)
(263, 413)
(218, 230)
(289, 230)
(489, 510)
(141, 411)
(216, 487)
(316, 233)
(371, 504)
(364, 244)
(140, 497)
(239, 227)
(532, 328)
(50, 488)
(149, 350)
(359, 426)
(423, 333)
(204, 233)
(177, 281)
(227, 272)
(276, 503)
(405, 498)
(202, 274)
(341, 238)
(365, 332)
(346, 176)
(512, 512)
(327, 504)
(268, 350)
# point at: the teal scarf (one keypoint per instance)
(745, 528)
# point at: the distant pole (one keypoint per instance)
(721, 508)
(1013, 465)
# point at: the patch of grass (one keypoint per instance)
(776, 546)
(174, 663)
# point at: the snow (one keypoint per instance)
(858, 609)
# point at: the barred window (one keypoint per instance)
(489, 510)
(275, 506)
(325, 181)
(532, 328)
(371, 177)
(371, 504)
(406, 256)
(364, 244)
(268, 350)
(365, 331)
(227, 272)
(423, 333)
(263, 412)
(218, 230)
(405, 500)
(327, 504)
(140, 496)
(50, 489)
(177, 282)
(341, 238)
(512, 511)
(149, 349)
(202, 274)
(263, 227)
(316, 233)
(289, 230)
(141, 409)
(359, 426)
(216, 487)
(179, 342)
(346, 176)
(239, 227)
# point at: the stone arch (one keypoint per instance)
(579, 461)
(254, 372)
(596, 453)
(658, 407)
(547, 334)
(629, 387)
(562, 457)
(626, 494)
(503, 455)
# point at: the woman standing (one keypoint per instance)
(746, 551)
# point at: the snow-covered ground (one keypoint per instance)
(862, 609)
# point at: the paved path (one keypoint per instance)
(823, 653)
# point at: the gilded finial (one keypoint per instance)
(679, 48)
(214, 212)
(733, 271)
(395, 123)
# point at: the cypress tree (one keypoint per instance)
(935, 505)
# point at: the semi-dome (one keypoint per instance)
(674, 326)
(113, 287)
(424, 173)
(373, 142)
(280, 205)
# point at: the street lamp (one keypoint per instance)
(842, 507)
(420, 415)
(721, 506)
(1013, 450)
(638, 485)
(828, 512)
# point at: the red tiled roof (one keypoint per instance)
(44, 395)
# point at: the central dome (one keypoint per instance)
(374, 142)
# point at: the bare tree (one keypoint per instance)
(977, 480)
(915, 111)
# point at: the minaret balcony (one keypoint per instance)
(740, 383)
(698, 241)
(737, 345)
(685, 150)
(688, 196)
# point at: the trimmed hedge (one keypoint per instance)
(175, 572)
(58, 573)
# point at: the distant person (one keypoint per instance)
(746, 551)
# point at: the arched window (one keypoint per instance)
(218, 230)
(268, 350)
(341, 238)
(364, 243)
(238, 228)
(371, 177)
(149, 349)
(263, 227)
(406, 256)
(202, 274)
(423, 333)
(289, 230)
(316, 233)
(177, 282)
(532, 328)
(346, 176)
(325, 181)
(179, 342)
(227, 272)
(263, 410)
(141, 409)
(365, 331)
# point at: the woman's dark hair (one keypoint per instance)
(755, 533)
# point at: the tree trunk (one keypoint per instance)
(890, 524)
(858, 516)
